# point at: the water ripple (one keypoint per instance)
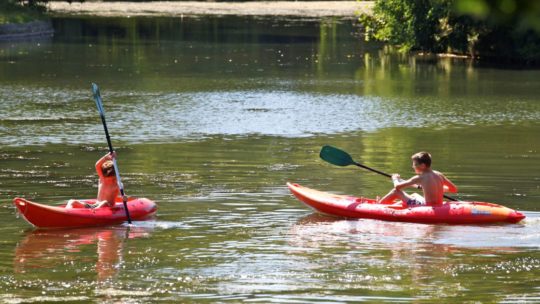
(38, 116)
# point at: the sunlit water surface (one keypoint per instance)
(212, 116)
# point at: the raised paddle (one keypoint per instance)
(339, 157)
(99, 104)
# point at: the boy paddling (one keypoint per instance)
(108, 186)
(433, 184)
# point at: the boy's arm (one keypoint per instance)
(448, 186)
(100, 162)
(400, 184)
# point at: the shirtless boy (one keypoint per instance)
(433, 184)
(108, 187)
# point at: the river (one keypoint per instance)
(211, 116)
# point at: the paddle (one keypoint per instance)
(339, 157)
(99, 104)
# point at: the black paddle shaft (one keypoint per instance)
(372, 170)
(99, 103)
(111, 150)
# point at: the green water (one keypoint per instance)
(212, 116)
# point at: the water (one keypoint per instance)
(211, 117)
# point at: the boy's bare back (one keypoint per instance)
(432, 183)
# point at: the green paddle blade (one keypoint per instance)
(336, 156)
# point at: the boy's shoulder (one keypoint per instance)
(439, 174)
(430, 174)
(416, 177)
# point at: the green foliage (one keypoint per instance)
(503, 29)
(412, 25)
(33, 4)
(11, 11)
(20, 11)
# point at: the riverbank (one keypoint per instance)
(345, 9)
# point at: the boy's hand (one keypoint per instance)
(107, 156)
(396, 178)
(110, 155)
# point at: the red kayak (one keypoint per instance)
(45, 216)
(449, 212)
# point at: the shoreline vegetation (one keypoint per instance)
(313, 9)
(503, 33)
(18, 21)
(14, 13)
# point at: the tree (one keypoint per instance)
(507, 30)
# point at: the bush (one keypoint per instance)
(498, 30)
(11, 11)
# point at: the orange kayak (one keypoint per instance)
(45, 216)
(458, 212)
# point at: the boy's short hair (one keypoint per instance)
(108, 168)
(422, 158)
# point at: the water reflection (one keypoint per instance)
(52, 249)
(315, 230)
(416, 259)
(47, 116)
